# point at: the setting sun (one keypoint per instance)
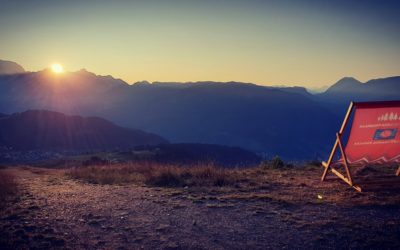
(57, 68)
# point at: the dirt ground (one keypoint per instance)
(273, 209)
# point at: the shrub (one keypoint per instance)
(275, 162)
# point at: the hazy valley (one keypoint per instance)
(285, 121)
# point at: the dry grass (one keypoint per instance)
(202, 175)
(290, 185)
(155, 174)
(8, 187)
(110, 174)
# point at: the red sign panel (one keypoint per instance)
(375, 135)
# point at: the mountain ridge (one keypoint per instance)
(350, 89)
(49, 130)
(9, 67)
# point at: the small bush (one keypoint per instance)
(274, 163)
(277, 162)
(8, 187)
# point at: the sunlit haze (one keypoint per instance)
(57, 68)
(308, 43)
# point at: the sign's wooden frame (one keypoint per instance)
(338, 144)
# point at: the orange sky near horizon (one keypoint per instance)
(307, 44)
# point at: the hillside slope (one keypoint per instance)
(46, 130)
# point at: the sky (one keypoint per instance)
(277, 42)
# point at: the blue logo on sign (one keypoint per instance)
(385, 134)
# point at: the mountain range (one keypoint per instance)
(286, 121)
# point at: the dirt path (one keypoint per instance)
(56, 212)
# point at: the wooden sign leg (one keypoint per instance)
(346, 166)
(398, 171)
(328, 164)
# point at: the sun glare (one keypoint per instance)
(57, 68)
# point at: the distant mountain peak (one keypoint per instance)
(348, 80)
(346, 84)
(349, 89)
(83, 70)
(8, 67)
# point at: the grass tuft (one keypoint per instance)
(8, 187)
